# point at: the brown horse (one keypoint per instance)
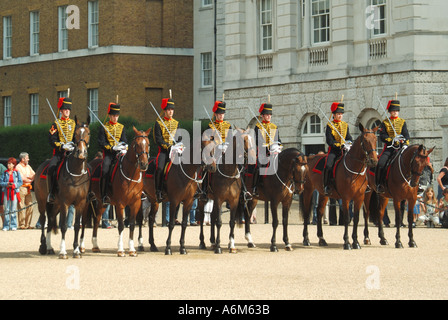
(73, 186)
(126, 190)
(225, 185)
(181, 183)
(350, 184)
(289, 172)
(402, 184)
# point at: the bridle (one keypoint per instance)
(412, 171)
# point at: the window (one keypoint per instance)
(7, 37)
(34, 32)
(7, 111)
(312, 125)
(34, 103)
(379, 17)
(206, 69)
(206, 3)
(320, 17)
(266, 25)
(313, 137)
(372, 123)
(62, 28)
(93, 104)
(93, 24)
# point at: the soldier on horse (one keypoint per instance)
(112, 140)
(394, 134)
(60, 137)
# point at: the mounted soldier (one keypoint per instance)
(219, 131)
(338, 138)
(60, 138)
(394, 134)
(112, 141)
(267, 141)
(164, 131)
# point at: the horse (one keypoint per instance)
(226, 185)
(126, 189)
(290, 169)
(73, 187)
(350, 184)
(181, 183)
(402, 184)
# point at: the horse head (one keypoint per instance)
(81, 139)
(248, 146)
(299, 172)
(208, 155)
(368, 145)
(418, 162)
(141, 148)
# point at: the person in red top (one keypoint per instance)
(10, 182)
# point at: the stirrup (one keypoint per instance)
(106, 201)
(327, 190)
(247, 196)
(380, 189)
(50, 198)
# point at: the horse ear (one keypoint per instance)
(361, 127)
(148, 131)
(88, 119)
(430, 150)
(76, 120)
(375, 129)
(135, 131)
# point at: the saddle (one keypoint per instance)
(321, 164)
(150, 172)
(97, 172)
(44, 173)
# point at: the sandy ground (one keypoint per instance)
(374, 272)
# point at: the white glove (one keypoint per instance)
(347, 145)
(276, 147)
(120, 147)
(68, 146)
(223, 147)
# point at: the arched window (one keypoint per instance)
(312, 134)
(372, 123)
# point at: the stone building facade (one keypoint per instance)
(306, 54)
(134, 49)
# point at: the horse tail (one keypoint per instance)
(52, 225)
(304, 212)
(374, 207)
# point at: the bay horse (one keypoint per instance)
(290, 170)
(350, 184)
(225, 185)
(401, 184)
(181, 183)
(126, 190)
(73, 182)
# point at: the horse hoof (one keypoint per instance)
(398, 245)
(154, 249)
(96, 250)
(232, 250)
(140, 248)
(50, 252)
(251, 245)
(202, 246)
(274, 249)
(77, 256)
(384, 242)
(120, 254)
(356, 245)
(323, 243)
(168, 252)
(218, 250)
(412, 244)
(367, 242)
(183, 251)
(83, 250)
(132, 253)
(347, 246)
(288, 247)
(307, 243)
(62, 256)
(43, 249)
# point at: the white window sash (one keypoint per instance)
(34, 104)
(62, 29)
(93, 104)
(93, 23)
(34, 32)
(7, 37)
(7, 111)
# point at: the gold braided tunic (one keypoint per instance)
(397, 124)
(271, 130)
(162, 135)
(222, 128)
(114, 130)
(59, 137)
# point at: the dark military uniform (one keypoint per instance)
(337, 133)
(107, 140)
(266, 134)
(164, 142)
(61, 132)
(387, 134)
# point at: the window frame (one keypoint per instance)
(93, 104)
(376, 20)
(7, 111)
(34, 108)
(34, 34)
(62, 29)
(265, 26)
(93, 22)
(206, 72)
(325, 15)
(7, 37)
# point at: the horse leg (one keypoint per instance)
(133, 211)
(185, 212)
(345, 215)
(356, 208)
(398, 243)
(232, 222)
(274, 205)
(305, 200)
(411, 204)
(139, 222)
(63, 224)
(367, 198)
(119, 212)
(96, 222)
(170, 228)
(247, 211)
(200, 219)
(78, 212)
(151, 221)
(285, 215)
(51, 216)
(320, 213)
(382, 208)
(43, 244)
(216, 217)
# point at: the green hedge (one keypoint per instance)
(34, 139)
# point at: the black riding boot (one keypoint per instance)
(103, 184)
(158, 184)
(256, 179)
(51, 184)
(327, 182)
(379, 180)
